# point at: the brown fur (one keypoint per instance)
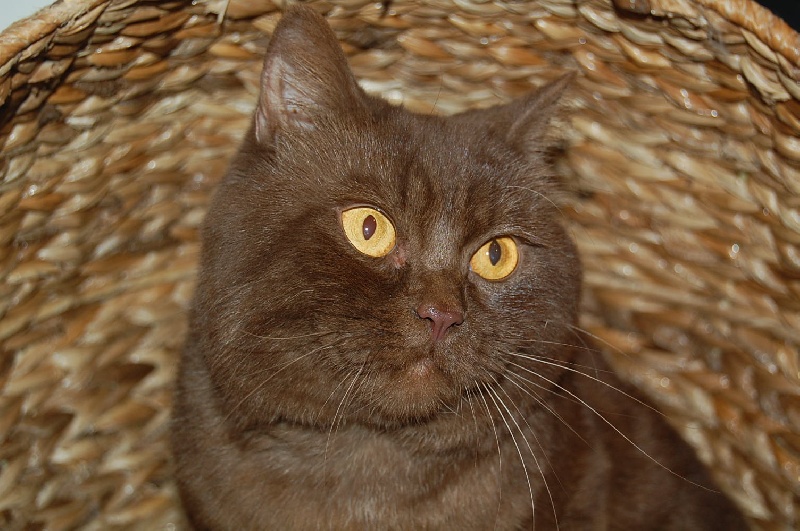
(311, 393)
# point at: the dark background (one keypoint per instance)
(788, 10)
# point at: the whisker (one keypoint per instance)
(545, 361)
(332, 393)
(475, 422)
(543, 388)
(336, 417)
(282, 338)
(564, 363)
(499, 453)
(338, 342)
(495, 398)
(578, 330)
(587, 348)
(538, 194)
(264, 382)
(535, 460)
(613, 427)
(541, 402)
(436, 101)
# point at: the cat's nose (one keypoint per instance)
(441, 319)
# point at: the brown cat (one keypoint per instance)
(383, 334)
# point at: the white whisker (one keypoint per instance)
(541, 402)
(495, 398)
(560, 365)
(337, 418)
(538, 194)
(535, 460)
(264, 382)
(499, 455)
(613, 427)
(335, 389)
(284, 338)
(475, 422)
(578, 330)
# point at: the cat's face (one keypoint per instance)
(365, 264)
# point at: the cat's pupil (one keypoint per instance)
(495, 252)
(369, 226)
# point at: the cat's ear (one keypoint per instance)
(532, 114)
(528, 118)
(305, 76)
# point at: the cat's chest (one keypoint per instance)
(357, 461)
(352, 479)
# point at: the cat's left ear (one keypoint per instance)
(305, 76)
(529, 117)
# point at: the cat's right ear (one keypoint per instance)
(305, 76)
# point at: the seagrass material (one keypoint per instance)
(681, 156)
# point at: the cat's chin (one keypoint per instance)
(417, 393)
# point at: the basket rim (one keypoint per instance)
(762, 22)
(26, 31)
(748, 14)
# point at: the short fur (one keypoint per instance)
(312, 394)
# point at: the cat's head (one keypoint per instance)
(362, 263)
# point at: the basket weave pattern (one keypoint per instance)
(681, 155)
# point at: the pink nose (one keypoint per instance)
(441, 320)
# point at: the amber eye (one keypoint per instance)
(369, 231)
(496, 259)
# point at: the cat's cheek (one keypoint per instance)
(493, 296)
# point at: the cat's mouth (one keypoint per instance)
(418, 390)
(422, 370)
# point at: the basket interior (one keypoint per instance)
(681, 162)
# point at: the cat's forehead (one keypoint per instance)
(433, 176)
(440, 170)
(446, 189)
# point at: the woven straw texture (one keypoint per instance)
(117, 117)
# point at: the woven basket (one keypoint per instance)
(681, 155)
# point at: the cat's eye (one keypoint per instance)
(496, 259)
(369, 231)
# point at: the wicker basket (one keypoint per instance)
(117, 118)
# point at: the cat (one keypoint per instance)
(383, 334)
